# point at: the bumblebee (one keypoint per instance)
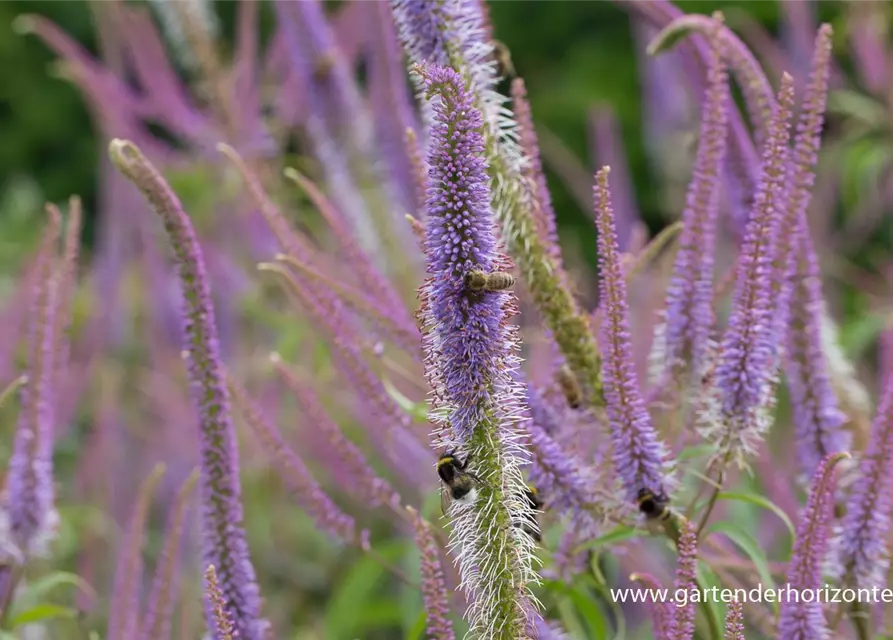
(460, 483)
(483, 281)
(655, 506)
(531, 526)
(504, 66)
(569, 386)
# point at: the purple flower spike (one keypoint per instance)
(30, 501)
(817, 417)
(745, 374)
(805, 620)
(863, 556)
(223, 541)
(684, 340)
(638, 453)
(461, 238)
(683, 625)
(470, 361)
(434, 590)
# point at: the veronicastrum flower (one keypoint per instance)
(817, 417)
(638, 454)
(434, 590)
(223, 541)
(862, 554)
(683, 340)
(29, 512)
(470, 357)
(736, 412)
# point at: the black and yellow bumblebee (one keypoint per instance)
(531, 526)
(655, 506)
(461, 484)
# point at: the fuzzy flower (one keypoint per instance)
(863, 556)
(746, 371)
(460, 239)
(434, 590)
(805, 620)
(470, 359)
(638, 453)
(817, 417)
(684, 339)
(29, 502)
(683, 624)
(223, 541)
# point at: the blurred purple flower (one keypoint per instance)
(638, 454)
(223, 541)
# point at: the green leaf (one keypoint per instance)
(763, 503)
(42, 612)
(418, 410)
(40, 589)
(748, 544)
(351, 608)
(711, 608)
(417, 631)
(591, 613)
(858, 106)
(619, 534)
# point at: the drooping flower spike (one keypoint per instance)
(223, 541)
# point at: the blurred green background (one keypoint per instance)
(571, 54)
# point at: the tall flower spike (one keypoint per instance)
(470, 359)
(223, 537)
(737, 410)
(683, 625)
(30, 498)
(156, 625)
(817, 417)
(434, 591)
(638, 453)
(805, 620)
(125, 605)
(684, 340)
(863, 556)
